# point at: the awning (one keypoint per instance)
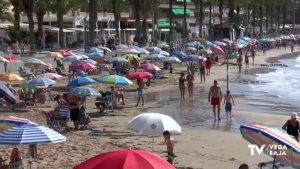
(180, 11)
(183, 1)
(164, 24)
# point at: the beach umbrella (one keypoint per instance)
(171, 59)
(161, 52)
(93, 53)
(82, 66)
(206, 52)
(65, 52)
(191, 49)
(155, 57)
(217, 50)
(2, 59)
(139, 75)
(271, 138)
(141, 50)
(81, 81)
(73, 58)
(126, 159)
(154, 124)
(40, 83)
(85, 91)
(95, 50)
(128, 50)
(193, 58)
(10, 77)
(54, 55)
(218, 43)
(153, 49)
(114, 79)
(149, 67)
(6, 93)
(35, 63)
(104, 48)
(131, 57)
(121, 47)
(30, 134)
(11, 58)
(118, 59)
(87, 60)
(11, 121)
(207, 44)
(52, 76)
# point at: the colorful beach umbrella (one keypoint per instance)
(82, 66)
(30, 134)
(35, 63)
(2, 59)
(81, 81)
(270, 138)
(154, 124)
(88, 61)
(11, 121)
(155, 57)
(6, 93)
(73, 58)
(54, 55)
(171, 59)
(126, 159)
(205, 52)
(139, 75)
(52, 76)
(85, 91)
(118, 59)
(130, 57)
(40, 83)
(65, 52)
(149, 67)
(191, 49)
(104, 48)
(217, 50)
(10, 77)
(141, 50)
(128, 50)
(193, 58)
(12, 58)
(161, 52)
(114, 79)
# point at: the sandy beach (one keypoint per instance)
(202, 144)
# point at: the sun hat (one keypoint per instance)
(294, 115)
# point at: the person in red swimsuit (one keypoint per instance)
(208, 64)
(215, 97)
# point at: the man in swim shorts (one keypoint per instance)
(228, 101)
(215, 97)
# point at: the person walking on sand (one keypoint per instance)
(247, 61)
(202, 72)
(170, 143)
(239, 61)
(253, 55)
(292, 126)
(182, 85)
(215, 97)
(228, 101)
(141, 93)
(190, 83)
(208, 64)
(292, 48)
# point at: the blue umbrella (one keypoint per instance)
(81, 81)
(85, 91)
(30, 134)
(6, 93)
(95, 50)
(40, 83)
(193, 58)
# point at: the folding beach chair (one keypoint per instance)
(52, 122)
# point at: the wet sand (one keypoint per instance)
(202, 144)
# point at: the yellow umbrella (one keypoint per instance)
(55, 55)
(10, 77)
(104, 48)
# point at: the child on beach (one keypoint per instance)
(141, 93)
(228, 101)
(170, 143)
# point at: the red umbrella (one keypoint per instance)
(149, 67)
(82, 66)
(126, 159)
(65, 52)
(139, 75)
(12, 58)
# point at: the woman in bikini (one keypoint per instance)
(190, 83)
(182, 85)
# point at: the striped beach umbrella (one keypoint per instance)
(85, 91)
(114, 79)
(52, 76)
(30, 134)
(270, 139)
(10, 77)
(11, 121)
(40, 83)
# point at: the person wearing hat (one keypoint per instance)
(292, 126)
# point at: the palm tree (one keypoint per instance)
(92, 4)
(171, 20)
(210, 4)
(41, 8)
(28, 8)
(185, 32)
(221, 6)
(201, 18)
(117, 7)
(260, 11)
(136, 4)
(17, 5)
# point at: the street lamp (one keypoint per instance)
(85, 35)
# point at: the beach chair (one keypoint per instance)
(52, 122)
(110, 98)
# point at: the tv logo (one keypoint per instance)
(269, 149)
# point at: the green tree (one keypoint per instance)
(221, 8)
(93, 4)
(210, 4)
(17, 6)
(118, 6)
(41, 8)
(136, 4)
(185, 31)
(28, 8)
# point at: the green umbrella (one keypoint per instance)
(131, 57)
(114, 79)
(35, 63)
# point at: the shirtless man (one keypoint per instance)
(215, 97)
(228, 101)
(170, 143)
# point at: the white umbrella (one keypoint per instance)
(171, 59)
(154, 124)
(141, 50)
(73, 58)
(118, 59)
